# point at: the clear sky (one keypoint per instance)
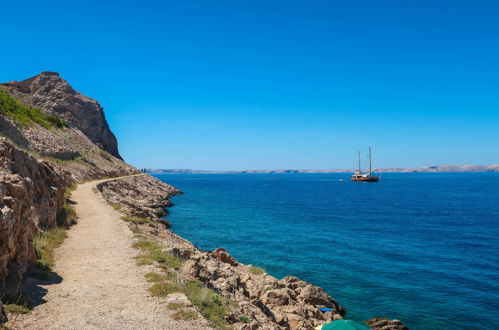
(273, 84)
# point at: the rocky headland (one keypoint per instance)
(53, 138)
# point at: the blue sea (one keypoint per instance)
(419, 247)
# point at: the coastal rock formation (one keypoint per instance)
(66, 145)
(270, 303)
(54, 95)
(140, 196)
(31, 196)
(380, 323)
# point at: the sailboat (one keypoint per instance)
(365, 177)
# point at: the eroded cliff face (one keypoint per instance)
(31, 196)
(54, 95)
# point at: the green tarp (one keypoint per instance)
(345, 325)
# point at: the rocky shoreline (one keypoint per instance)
(270, 303)
(55, 137)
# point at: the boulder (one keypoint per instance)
(381, 323)
(225, 256)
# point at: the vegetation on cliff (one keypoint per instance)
(24, 115)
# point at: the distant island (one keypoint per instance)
(424, 169)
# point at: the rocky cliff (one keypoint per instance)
(31, 197)
(52, 137)
(54, 95)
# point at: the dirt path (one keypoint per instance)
(101, 286)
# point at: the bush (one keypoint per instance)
(211, 305)
(174, 306)
(163, 289)
(184, 315)
(146, 245)
(256, 270)
(16, 309)
(24, 115)
(245, 319)
(105, 155)
(166, 258)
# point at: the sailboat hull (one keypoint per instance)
(366, 179)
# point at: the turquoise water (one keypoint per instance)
(419, 247)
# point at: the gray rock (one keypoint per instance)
(54, 95)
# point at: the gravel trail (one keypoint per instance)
(101, 287)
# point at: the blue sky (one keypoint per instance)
(274, 84)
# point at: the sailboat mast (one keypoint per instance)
(369, 160)
(359, 161)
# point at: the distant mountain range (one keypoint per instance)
(436, 168)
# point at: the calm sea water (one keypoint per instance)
(419, 247)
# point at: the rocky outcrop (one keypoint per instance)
(31, 196)
(54, 95)
(380, 323)
(270, 303)
(140, 196)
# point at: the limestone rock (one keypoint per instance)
(141, 196)
(225, 256)
(289, 303)
(54, 95)
(31, 196)
(380, 323)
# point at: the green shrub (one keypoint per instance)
(16, 309)
(211, 305)
(174, 306)
(256, 270)
(142, 260)
(105, 155)
(163, 289)
(24, 115)
(146, 245)
(245, 319)
(166, 258)
(184, 315)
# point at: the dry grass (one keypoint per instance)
(163, 289)
(136, 220)
(45, 243)
(155, 277)
(175, 306)
(184, 315)
(256, 270)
